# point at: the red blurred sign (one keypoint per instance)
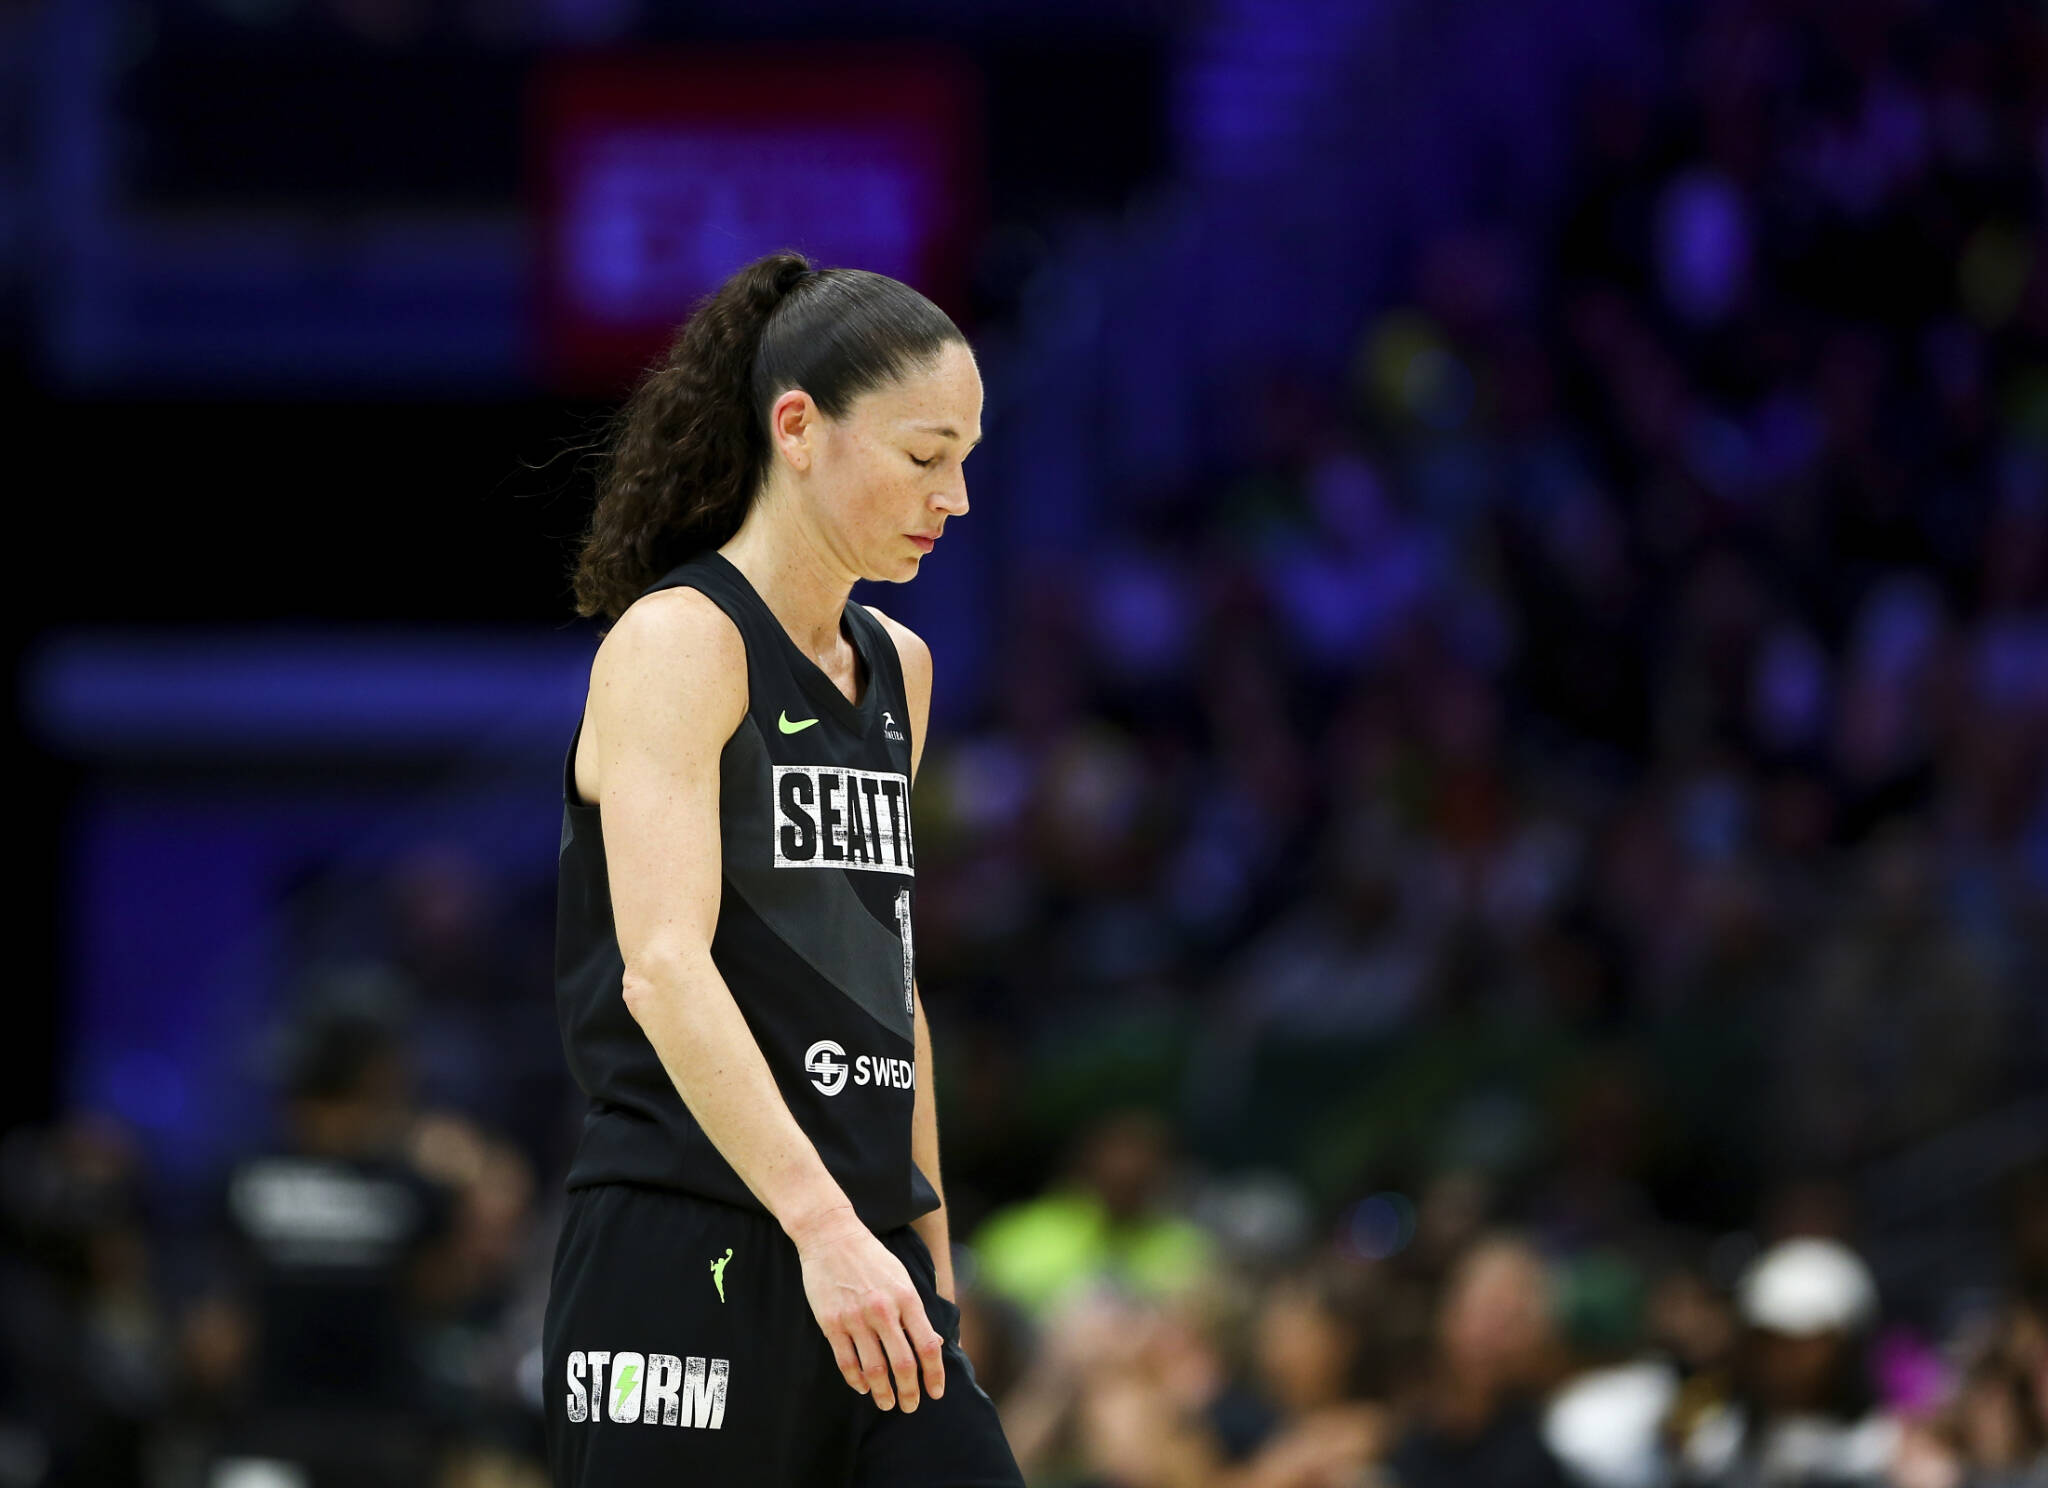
(660, 175)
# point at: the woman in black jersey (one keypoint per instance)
(753, 1284)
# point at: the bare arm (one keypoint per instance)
(916, 660)
(924, 1150)
(667, 690)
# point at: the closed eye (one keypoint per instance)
(924, 464)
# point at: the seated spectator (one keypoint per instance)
(1322, 1377)
(2000, 1427)
(1604, 1424)
(1801, 1411)
(1477, 1425)
(1108, 1223)
(330, 1243)
(1118, 1396)
(82, 1345)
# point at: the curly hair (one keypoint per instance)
(689, 450)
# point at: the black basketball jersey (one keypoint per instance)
(813, 934)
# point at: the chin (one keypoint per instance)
(886, 574)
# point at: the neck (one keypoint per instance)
(794, 571)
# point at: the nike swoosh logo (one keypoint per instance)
(793, 728)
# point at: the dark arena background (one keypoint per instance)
(1485, 839)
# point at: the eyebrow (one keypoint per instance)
(946, 429)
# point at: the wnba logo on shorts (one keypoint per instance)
(647, 1389)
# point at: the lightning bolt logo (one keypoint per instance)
(622, 1387)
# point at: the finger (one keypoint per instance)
(874, 1367)
(902, 1362)
(930, 1353)
(848, 1360)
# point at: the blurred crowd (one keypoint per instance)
(1433, 1344)
(1497, 940)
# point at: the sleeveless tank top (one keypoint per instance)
(813, 935)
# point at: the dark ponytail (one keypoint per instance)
(689, 450)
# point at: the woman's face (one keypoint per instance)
(1304, 1354)
(1495, 1318)
(889, 472)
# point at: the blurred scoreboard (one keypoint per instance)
(272, 210)
(654, 177)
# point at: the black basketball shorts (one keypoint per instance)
(679, 1350)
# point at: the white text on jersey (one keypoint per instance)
(830, 816)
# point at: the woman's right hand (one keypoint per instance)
(869, 1311)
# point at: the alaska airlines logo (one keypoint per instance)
(647, 1389)
(827, 816)
(825, 1062)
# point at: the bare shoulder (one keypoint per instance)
(676, 637)
(670, 675)
(667, 690)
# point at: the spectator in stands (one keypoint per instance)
(1477, 1423)
(330, 1245)
(1107, 1225)
(1320, 1364)
(1802, 1410)
(83, 1345)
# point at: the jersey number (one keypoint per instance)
(903, 928)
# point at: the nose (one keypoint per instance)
(953, 499)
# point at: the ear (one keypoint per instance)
(793, 426)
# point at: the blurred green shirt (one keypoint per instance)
(1037, 1252)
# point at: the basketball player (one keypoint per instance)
(753, 1284)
